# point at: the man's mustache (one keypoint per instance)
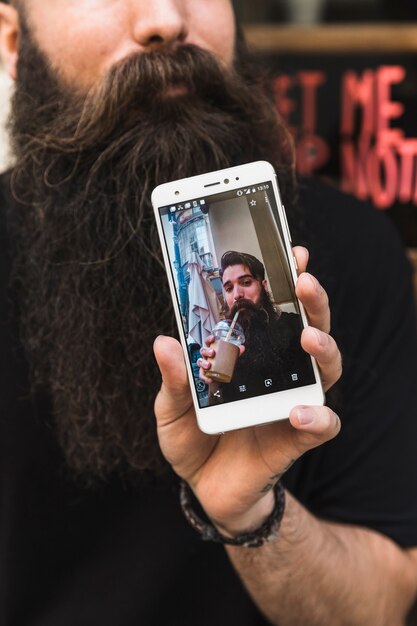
(155, 83)
(244, 304)
(249, 312)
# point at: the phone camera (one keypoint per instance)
(226, 181)
(177, 193)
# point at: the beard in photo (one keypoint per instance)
(91, 285)
(255, 320)
(263, 311)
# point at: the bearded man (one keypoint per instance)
(272, 354)
(113, 98)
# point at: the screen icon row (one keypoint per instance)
(188, 205)
(245, 192)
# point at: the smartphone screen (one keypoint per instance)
(235, 294)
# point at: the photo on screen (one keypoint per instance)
(236, 296)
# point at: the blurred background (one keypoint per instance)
(344, 76)
(325, 11)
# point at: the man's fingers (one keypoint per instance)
(315, 300)
(174, 398)
(207, 353)
(324, 349)
(285, 441)
(313, 426)
(204, 365)
(301, 256)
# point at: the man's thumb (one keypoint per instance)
(174, 396)
(315, 425)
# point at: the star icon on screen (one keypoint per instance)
(253, 202)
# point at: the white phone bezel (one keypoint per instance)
(248, 411)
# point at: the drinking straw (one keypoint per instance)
(232, 325)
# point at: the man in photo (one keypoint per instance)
(272, 358)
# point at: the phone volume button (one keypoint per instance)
(286, 224)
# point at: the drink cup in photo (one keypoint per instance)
(228, 337)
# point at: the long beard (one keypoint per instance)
(92, 288)
(254, 320)
(261, 351)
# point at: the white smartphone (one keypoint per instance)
(227, 250)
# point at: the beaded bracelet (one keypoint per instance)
(254, 539)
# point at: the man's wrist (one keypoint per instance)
(264, 532)
(249, 521)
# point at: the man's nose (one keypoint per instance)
(160, 23)
(238, 293)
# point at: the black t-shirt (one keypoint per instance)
(125, 555)
(279, 365)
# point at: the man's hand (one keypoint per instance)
(232, 474)
(207, 354)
